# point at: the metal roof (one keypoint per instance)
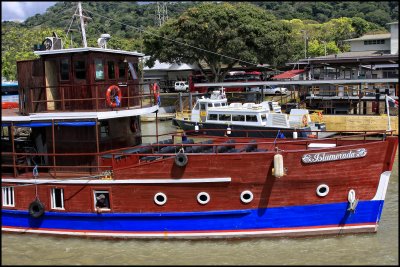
(87, 49)
(371, 37)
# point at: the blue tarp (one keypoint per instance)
(45, 124)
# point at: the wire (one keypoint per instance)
(73, 18)
(185, 44)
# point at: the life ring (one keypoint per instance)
(156, 92)
(181, 159)
(305, 120)
(36, 209)
(320, 116)
(111, 96)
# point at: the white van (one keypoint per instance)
(181, 86)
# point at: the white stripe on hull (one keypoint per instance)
(127, 181)
(382, 187)
(222, 234)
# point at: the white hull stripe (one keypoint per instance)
(286, 232)
(382, 187)
(127, 181)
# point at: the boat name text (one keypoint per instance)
(331, 156)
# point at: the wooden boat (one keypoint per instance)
(216, 115)
(221, 187)
(73, 164)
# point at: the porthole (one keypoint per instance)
(246, 196)
(160, 199)
(322, 190)
(203, 198)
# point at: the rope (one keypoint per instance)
(35, 173)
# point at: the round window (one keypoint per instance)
(246, 196)
(322, 190)
(160, 198)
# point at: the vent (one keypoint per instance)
(279, 120)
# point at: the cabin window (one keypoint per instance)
(104, 129)
(57, 198)
(80, 69)
(64, 69)
(237, 117)
(99, 69)
(121, 70)
(223, 104)
(8, 196)
(225, 117)
(263, 117)
(210, 105)
(217, 104)
(213, 117)
(133, 70)
(203, 106)
(101, 200)
(4, 133)
(251, 118)
(111, 70)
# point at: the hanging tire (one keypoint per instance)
(36, 209)
(181, 159)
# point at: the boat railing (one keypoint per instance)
(99, 165)
(85, 97)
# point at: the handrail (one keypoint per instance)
(84, 97)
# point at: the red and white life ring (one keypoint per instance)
(156, 92)
(111, 96)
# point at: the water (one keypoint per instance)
(380, 248)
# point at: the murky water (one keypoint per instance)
(381, 248)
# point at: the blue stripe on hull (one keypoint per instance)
(271, 218)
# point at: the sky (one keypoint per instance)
(20, 11)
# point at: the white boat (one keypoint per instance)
(213, 116)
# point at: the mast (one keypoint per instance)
(82, 24)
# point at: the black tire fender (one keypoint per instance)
(36, 209)
(181, 159)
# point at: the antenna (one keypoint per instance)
(162, 13)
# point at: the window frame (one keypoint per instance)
(8, 196)
(53, 198)
(108, 70)
(108, 199)
(81, 70)
(61, 69)
(96, 61)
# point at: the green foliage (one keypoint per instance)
(242, 32)
(17, 44)
(268, 34)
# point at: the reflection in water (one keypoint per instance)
(362, 249)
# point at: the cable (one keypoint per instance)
(140, 29)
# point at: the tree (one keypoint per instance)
(220, 35)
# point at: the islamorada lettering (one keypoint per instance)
(331, 156)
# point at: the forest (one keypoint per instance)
(257, 32)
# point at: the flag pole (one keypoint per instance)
(387, 110)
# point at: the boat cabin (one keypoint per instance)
(262, 114)
(77, 79)
(75, 104)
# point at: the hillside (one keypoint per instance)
(327, 24)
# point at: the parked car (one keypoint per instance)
(181, 86)
(270, 90)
